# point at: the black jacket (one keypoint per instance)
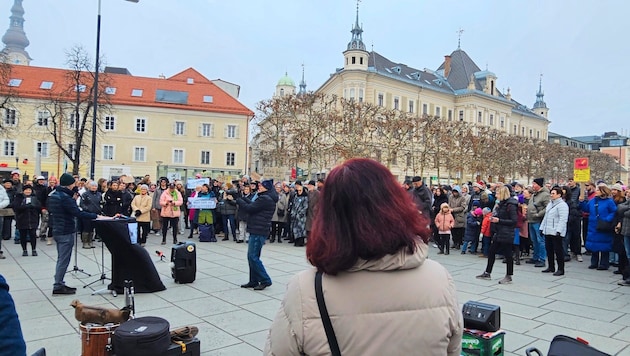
(260, 212)
(422, 197)
(113, 202)
(64, 209)
(91, 201)
(26, 213)
(507, 213)
(39, 191)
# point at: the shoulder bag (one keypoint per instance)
(603, 225)
(321, 304)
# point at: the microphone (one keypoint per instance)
(160, 254)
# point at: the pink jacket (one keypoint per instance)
(167, 202)
(444, 222)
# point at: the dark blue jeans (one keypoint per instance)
(229, 218)
(257, 272)
(64, 251)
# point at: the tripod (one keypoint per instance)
(76, 268)
(103, 277)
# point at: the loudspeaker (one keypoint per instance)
(481, 316)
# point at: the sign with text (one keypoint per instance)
(202, 203)
(580, 163)
(192, 183)
(582, 175)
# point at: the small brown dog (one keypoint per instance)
(99, 315)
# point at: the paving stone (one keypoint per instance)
(516, 297)
(581, 310)
(257, 339)
(514, 341)
(580, 323)
(517, 325)
(239, 322)
(267, 309)
(235, 350)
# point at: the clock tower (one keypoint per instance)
(356, 57)
(15, 38)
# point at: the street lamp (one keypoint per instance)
(94, 116)
(158, 168)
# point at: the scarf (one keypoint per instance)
(174, 197)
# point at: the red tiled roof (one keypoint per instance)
(222, 102)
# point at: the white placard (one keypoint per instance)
(194, 182)
(133, 232)
(202, 203)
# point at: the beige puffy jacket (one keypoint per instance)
(402, 304)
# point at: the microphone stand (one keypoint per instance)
(76, 268)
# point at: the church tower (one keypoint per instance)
(540, 107)
(302, 83)
(15, 38)
(356, 57)
(285, 86)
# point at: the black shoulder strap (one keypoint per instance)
(321, 303)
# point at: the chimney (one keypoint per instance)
(447, 65)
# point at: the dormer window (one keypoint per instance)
(136, 92)
(190, 81)
(110, 90)
(80, 88)
(15, 82)
(46, 85)
(208, 99)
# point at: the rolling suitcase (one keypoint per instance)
(562, 345)
(206, 233)
(184, 262)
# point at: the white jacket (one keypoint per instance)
(4, 198)
(556, 218)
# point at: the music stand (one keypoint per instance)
(76, 268)
(103, 277)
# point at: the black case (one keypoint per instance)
(184, 262)
(145, 336)
(193, 348)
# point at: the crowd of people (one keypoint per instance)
(547, 225)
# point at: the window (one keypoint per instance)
(139, 154)
(231, 131)
(396, 103)
(461, 115)
(42, 118)
(72, 121)
(354, 60)
(110, 90)
(361, 93)
(8, 148)
(141, 125)
(537, 134)
(438, 111)
(42, 147)
(46, 85)
(180, 127)
(80, 88)
(171, 96)
(207, 130)
(72, 150)
(15, 82)
(361, 60)
(515, 129)
(411, 106)
(136, 92)
(479, 117)
(450, 115)
(10, 118)
(502, 122)
(205, 157)
(178, 156)
(491, 119)
(190, 81)
(531, 133)
(352, 92)
(208, 99)
(425, 109)
(380, 99)
(110, 123)
(108, 152)
(523, 131)
(230, 158)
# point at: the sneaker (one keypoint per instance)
(463, 252)
(262, 286)
(163, 243)
(64, 290)
(2, 257)
(249, 285)
(34, 253)
(506, 280)
(579, 258)
(540, 264)
(624, 282)
(24, 253)
(484, 275)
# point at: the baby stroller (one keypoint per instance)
(567, 346)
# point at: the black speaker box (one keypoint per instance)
(481, 316)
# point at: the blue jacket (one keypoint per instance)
(64, 209)
(598, 241)
(260, 212)
(473, 228)
(12, 340)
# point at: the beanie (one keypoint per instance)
(66, 180)
(268, 184)
(539, 181)
(478, 212)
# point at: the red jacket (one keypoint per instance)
(485, 225)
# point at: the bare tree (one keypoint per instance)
(8, 97)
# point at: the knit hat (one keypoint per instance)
(268, 184)
(416, 179)
(27, 186)
(66, 180)
(478, 212)
(443, 205)
(477, 185)
(618, 187)
(485, 211)
(539, 181)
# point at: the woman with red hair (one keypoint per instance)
(369, 249)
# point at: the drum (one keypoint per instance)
(96, 339)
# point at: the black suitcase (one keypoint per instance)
(184, 262)
(206, 233)
(562, 345)
(190, 348)
(146, 336)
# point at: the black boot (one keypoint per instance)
(299, 242)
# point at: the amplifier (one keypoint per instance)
(481, 316)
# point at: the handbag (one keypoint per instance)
(603, 225)
(321, 304)
(280, 213)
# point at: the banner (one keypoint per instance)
(202, 203)
(194, 182)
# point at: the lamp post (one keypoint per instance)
(95, 104)
(158, 169)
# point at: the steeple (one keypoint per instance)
(15, 38)
(302, 83)
(357, 38)
(540, 102)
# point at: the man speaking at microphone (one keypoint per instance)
(63, 208)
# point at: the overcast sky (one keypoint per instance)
(579, 46)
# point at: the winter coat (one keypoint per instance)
(26, 213)
(537, 204)
(599, 241)
(623, 211)
(39, 191)
(444, 223)
(156, 198)
(364, 318)
(298, 215)
(473, 227)
(63, 209)
(556, 218)
(11, 196)
(127, 198)
(438, 200)
(260, 212)
(170, 207)
(422, 197)
(113, 202)
(313, 198)
(4, 198)
(91, 202)
(227, 206)
(485, 225)
(12, 340)
(459, 206)
(282, 204)
(504, 229)
(142, 203)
